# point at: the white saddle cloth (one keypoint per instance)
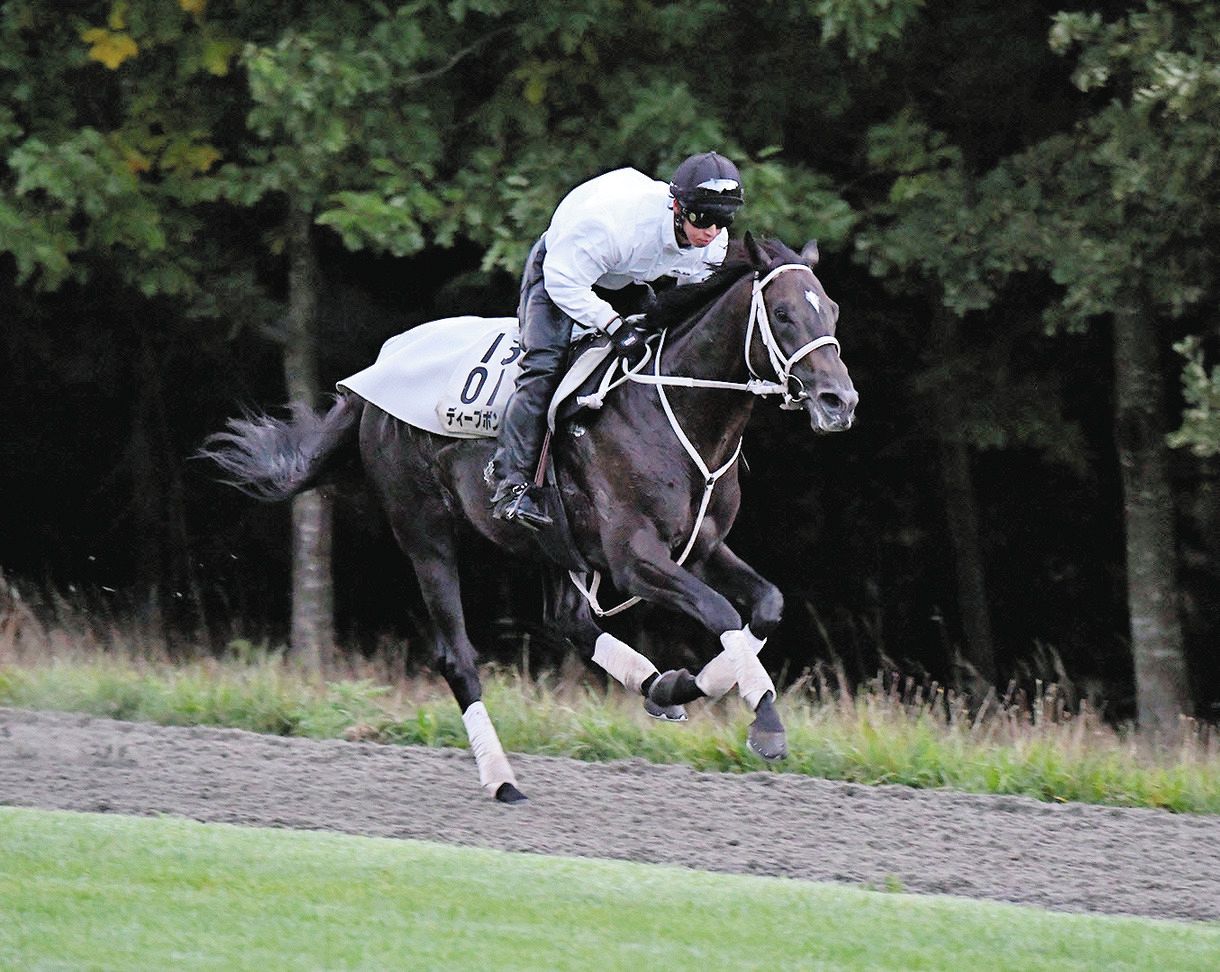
(454, 376)
(451, 377)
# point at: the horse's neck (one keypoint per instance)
(713, 348)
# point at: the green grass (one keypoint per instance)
(873, 736)
(80, 891)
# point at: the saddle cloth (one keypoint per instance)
(454, 376)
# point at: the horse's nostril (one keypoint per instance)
(830, 401)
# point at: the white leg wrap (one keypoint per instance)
(622, 662)
(488, 753)
(718, 676)
(737, 664)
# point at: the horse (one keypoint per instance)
(650, 487)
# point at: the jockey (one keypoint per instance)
(607, 237)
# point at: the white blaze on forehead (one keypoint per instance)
(814, 300)
(719, 185)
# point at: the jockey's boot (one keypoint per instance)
(545, 334)
(513, 500)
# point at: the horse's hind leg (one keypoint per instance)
(569, 614)
(400, 463)
(430, 543)
(424, 529)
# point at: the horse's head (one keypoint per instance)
(794, 325)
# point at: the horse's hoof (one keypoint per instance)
(766, 737)
(507, 793)
(666, 713)
(675, 687)
(767, 743)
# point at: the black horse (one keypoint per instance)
(650, 487)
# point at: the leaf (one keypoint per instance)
(217, 54)
(112, 49)
(535, 89)
(136, 161)
(184, 156)
(118, 15)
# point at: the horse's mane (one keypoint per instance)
(679, 304)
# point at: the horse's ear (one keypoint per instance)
(809, 254)
(759, 257)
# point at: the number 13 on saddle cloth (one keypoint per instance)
(452, 377)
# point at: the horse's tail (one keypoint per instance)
(275, 459)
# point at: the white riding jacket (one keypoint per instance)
(614, 230)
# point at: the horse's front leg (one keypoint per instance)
(643, 567)
(568, 613)
(740, 582)
(728, 573)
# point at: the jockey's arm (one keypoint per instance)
(574, 262)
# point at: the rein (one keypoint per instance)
(755, 386)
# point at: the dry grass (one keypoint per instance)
(894, 729)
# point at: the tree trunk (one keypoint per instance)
(312, 635)
(147, 484)
(961, 509)
(1161, 690)
(162, 525)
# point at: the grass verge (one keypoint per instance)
(874, 736)
(101, 891)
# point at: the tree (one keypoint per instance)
(105, 141)
(950, 240)
(1130, 201)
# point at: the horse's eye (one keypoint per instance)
(781, 314)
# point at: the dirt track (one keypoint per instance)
(1068, 857)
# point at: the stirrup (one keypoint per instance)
(505, 499)
(510, 508)
(526, 511)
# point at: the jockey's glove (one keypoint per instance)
(628, 336)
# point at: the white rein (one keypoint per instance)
(756, 386)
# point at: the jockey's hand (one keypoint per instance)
(628, 338)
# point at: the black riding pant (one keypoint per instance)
(546, 333)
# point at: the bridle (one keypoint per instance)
(780, 364)
(760, 323)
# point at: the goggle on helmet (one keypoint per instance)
(708, 190)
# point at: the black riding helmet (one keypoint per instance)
(708, 190)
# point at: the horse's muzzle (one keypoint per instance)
(832, 411)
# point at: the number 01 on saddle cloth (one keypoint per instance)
(454, 376)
